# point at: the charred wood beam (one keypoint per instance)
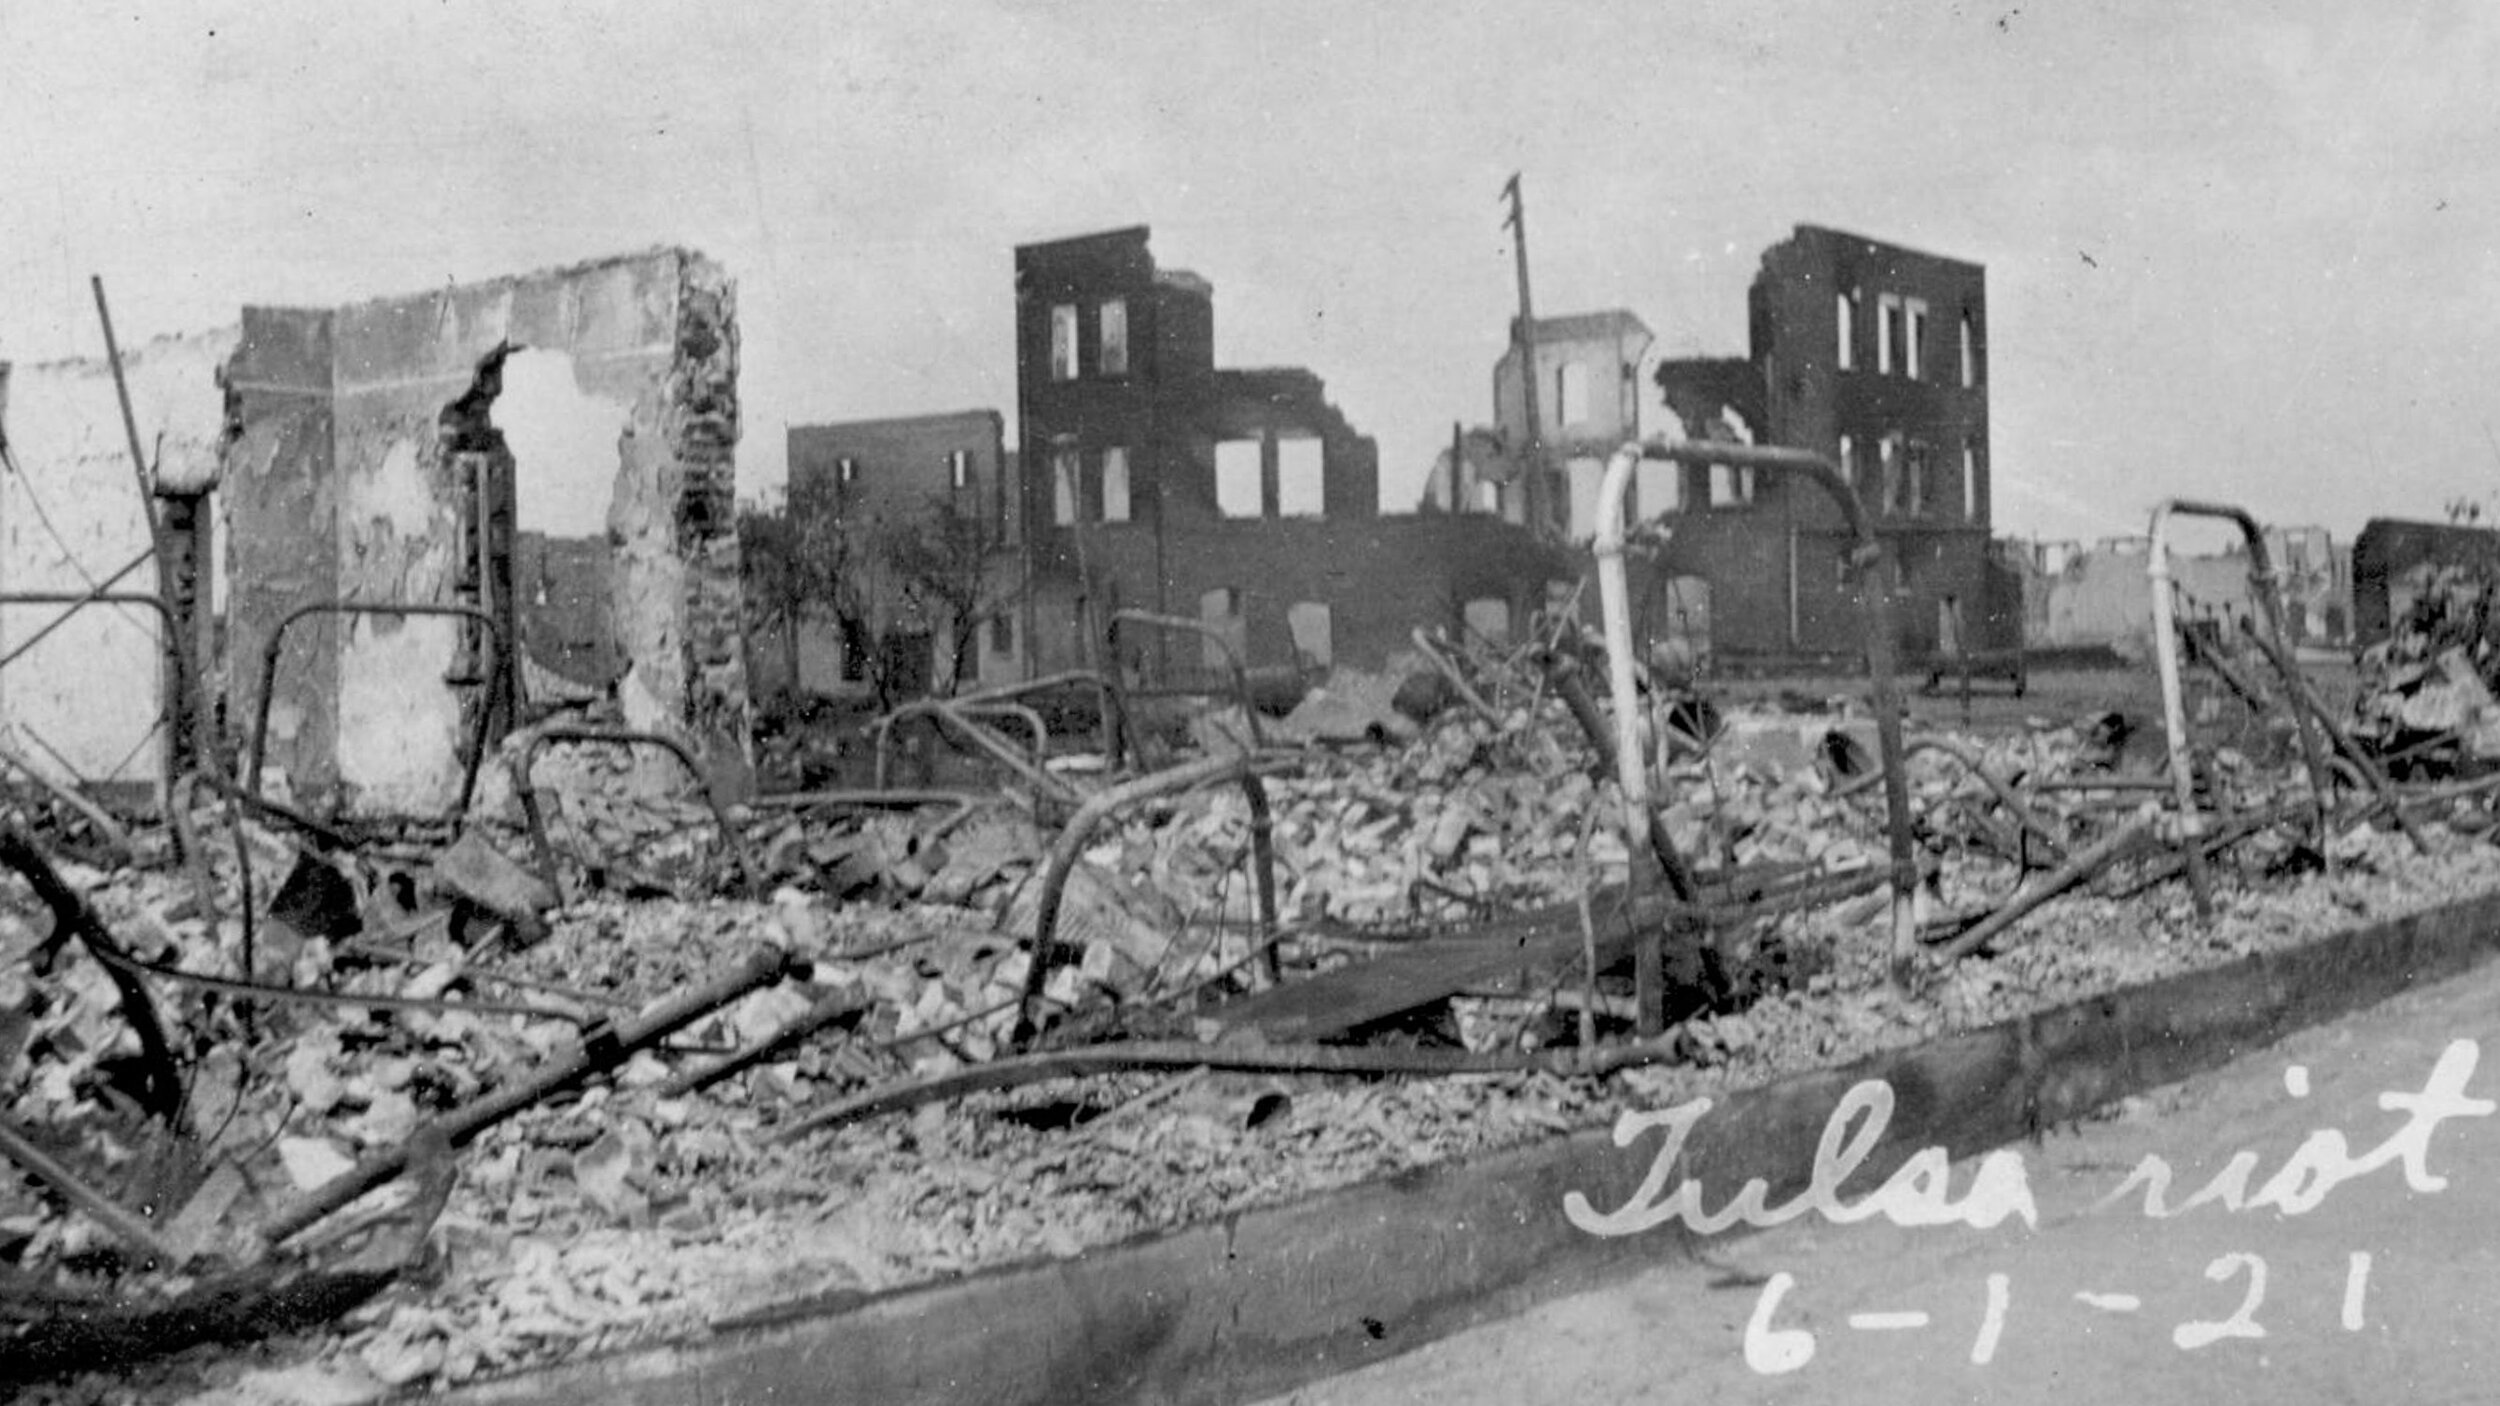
(601, 1049)
(125, 1225)
(1017, 1070)
(1070, 845)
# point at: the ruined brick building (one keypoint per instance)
(2393, 561)
(1241, 499)
(1875, 356)
(902, 473)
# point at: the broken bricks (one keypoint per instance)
(480, 875)
(1484, 809)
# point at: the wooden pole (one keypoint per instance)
(175, 664)
(1524, 338)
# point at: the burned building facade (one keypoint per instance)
(1876, 357)
(947, 478)
(1241, 499)
(2396, 562)
(1587, 404)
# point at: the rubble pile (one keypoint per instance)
(471, 1114)
(2426, 700)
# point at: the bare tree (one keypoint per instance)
(798, 557)
(948, 566)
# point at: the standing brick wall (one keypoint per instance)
(702, 424)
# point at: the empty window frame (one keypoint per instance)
(1914, 363)
(1730, 487)
(1849, 462)
(1890, 467)
(1301, 478)
(1970, 481)
(1581, 477)
(1063, 342)
(1003, 633)
(1113, 324)
(1239, 463)
(846, 471)
(1571, 394)
(1916, 479)
(1888, 348)
(1487, 618)
(959, 470)
(1115, 491)
(1313, 628)
(1063, 486)
(1970, 352)
(1220, 611)
(1845, 320)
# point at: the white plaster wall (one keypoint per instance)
(399, 730)
(2107, 597)
(85, 700)
(1585, 475)
(394, 733)
(397, 725)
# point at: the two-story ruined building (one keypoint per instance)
(947, 478)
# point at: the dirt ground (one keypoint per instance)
(2057, 695)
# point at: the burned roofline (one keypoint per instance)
(1869, 244)
(1576, 326)
(982, 419)
(552, 271)
(1099, 260)
(1127, 234)
(1280, 388)
(1273, 380)
(133, 353)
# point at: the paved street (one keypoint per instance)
(2369, 1289)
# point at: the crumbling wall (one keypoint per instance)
(83, 702)
(2105, 596)
(1380, 577)
(701, 421)
(358, 427)
(277, 500)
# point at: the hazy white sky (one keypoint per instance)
(2235, 249)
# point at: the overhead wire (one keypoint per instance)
(69, 554)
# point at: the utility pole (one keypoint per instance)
(1523, 338)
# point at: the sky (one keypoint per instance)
(2245, 250)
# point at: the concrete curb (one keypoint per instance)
(1266, 1300)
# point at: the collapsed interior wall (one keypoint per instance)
(81, 704)
(353, 476)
